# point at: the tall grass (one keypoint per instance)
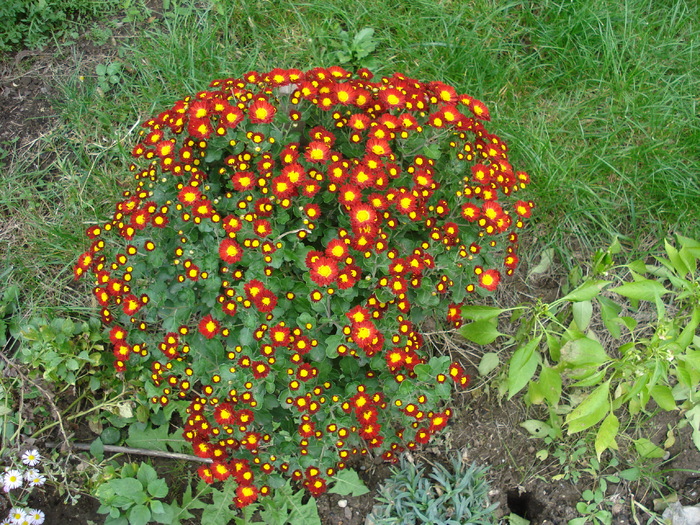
(597, 100)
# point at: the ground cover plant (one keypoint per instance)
(597, 101)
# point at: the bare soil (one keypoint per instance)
(488, 429)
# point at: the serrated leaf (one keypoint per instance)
(523, 365)
(605, 437)
(153, 438)
(219, 511)
(643, 290)
(348, 483)
(489, 361)
(481, 332)
(590, 411)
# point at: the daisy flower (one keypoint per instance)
(31, 457)
(17, 515)
(36, 517)
(34, 477)
(12, 480)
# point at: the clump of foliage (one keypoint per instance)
(449, 497)
(627, 335)
(287, 235)
(25, 24)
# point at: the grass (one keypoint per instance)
(597, 101)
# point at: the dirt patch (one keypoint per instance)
(25, 95)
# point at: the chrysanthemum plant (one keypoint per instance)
(287, 234)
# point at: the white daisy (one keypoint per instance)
(12, 480)
(35, 516)
(31, 457)
(17, 515)
(34, 477)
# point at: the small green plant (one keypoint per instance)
(610, 342)
(134, 498)
(446, 496)
(288, 233)
(356, 50)
(63, 350)
(109, 75)
(595, 505)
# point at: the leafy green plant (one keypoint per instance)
(63, 350)
(595, 505)
(34, 24)
(356, 50)
(284, 506)
(135, 496)
(447, 496)
(287, 236)
(109, 75)
(648, 324)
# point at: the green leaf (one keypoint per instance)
(644, 290)
(139, 515)
(489, 361)
(156, 507)
(481, 313)
(609, 311)
(523, 365)
(605, 437)
(97, 449)
(647, 449)
(348, 483)
(550, 385)
(158, 488)
(586, 291)
(591, 410)
(583, 352)
(146, 474)
(630, 474)
(144, 436)
(536, 428)
(481, 332)
(676, 260)
(582, 312)
(128, 487)
(663, 397)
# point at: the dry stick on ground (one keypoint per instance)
(113, 449)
